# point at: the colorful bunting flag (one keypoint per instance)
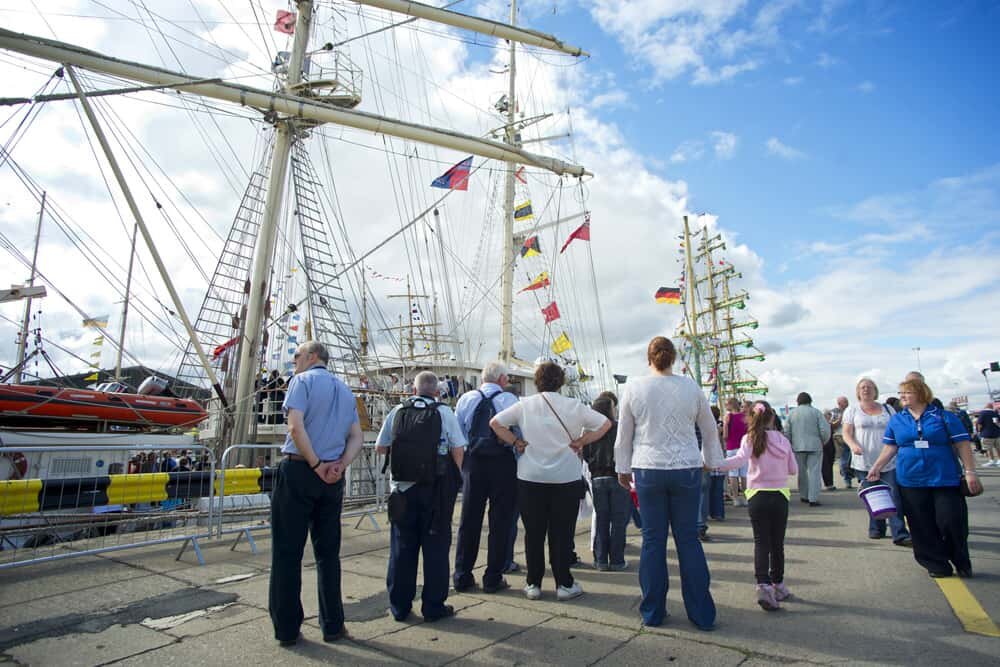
(523, 211)
(294, 327)
(96, 354)
(285, 22)
(531, 247)
(519, 175)
(561, 344)
(456, 178)
(99, 340)
(668, 295)
(551, 312)
(583, 377)
(582, 232)
(93, 377)
(541, 281)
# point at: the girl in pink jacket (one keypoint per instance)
(771, 461)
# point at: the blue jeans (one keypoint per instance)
(896, 523)
(712, 498)
(845, 459)
(669, 501)
(612, 507)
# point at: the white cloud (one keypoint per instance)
(792, 80)
(724, 144)
(866, 87)
(776, 147)
(679, 37)
(687, 151)
(825, 60)
(611, 99)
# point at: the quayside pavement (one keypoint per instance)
(858, 601)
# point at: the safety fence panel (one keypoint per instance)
(243, 495)
(67, 514)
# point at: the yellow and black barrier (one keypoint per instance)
(36, 495)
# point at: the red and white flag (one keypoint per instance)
(285, 22)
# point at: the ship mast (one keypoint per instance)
(22, 339)
(260, 276)
(507, 260)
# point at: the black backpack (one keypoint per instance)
(416, 434)
(482, 440)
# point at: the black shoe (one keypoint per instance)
(905, 542)
(576, 561)
(965, 573)
(400, 617)
(804, 500)
(703, 535)
(829, 488)
(286, 643)
(816, 504)
(512, 568)
(939, 575)
(461, 588)
(336, 636)
(447, 612)
(501, 585)
(875, 536)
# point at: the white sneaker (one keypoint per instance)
(564, 593)
(532, 592)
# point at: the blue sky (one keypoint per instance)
(878, 98)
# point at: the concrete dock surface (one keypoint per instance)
(856, 601)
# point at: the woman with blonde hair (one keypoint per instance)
(657, 445)
(925, 440)
(864, 425)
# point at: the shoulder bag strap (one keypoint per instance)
(561, 423)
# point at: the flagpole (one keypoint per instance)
(128, 289)
(507, 263)
(22, 342)
(266, 239)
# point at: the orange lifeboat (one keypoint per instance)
(26, 404)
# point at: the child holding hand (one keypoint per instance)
(771, 461)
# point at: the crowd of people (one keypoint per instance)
(660, 448)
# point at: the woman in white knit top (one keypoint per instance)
(658, 445)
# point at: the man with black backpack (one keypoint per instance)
(425, 447)
(489, 474)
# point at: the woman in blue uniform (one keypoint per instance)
(925, 440)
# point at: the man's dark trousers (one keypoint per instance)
(303, 503)
(493, 479)
(424, 529)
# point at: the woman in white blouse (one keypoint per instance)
(549, 477)
(864, 426)
(657, 445)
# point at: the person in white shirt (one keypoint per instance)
(549, 480)
(657, 444)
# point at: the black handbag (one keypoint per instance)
(963, 485)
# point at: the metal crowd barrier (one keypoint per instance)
(68, 515)
(241, 514)
(63, 516)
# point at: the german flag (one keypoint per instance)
(531, 247)
(668, 295)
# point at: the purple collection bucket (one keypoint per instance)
(878, 500)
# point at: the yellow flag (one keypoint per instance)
(561, 344)
(96, 354)
(99, 340)
(91, 378)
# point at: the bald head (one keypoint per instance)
(842, 402)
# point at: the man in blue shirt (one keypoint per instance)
(989, 434)
(423, 525)
(489, 474)
(324, 437)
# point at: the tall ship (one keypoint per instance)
(361, 221)
(716, 328)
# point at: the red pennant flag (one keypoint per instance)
(285, 22)
(551, 312)
(219, 349)
(582, 232)
(519, 175)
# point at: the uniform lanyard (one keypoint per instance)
(920, 430)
